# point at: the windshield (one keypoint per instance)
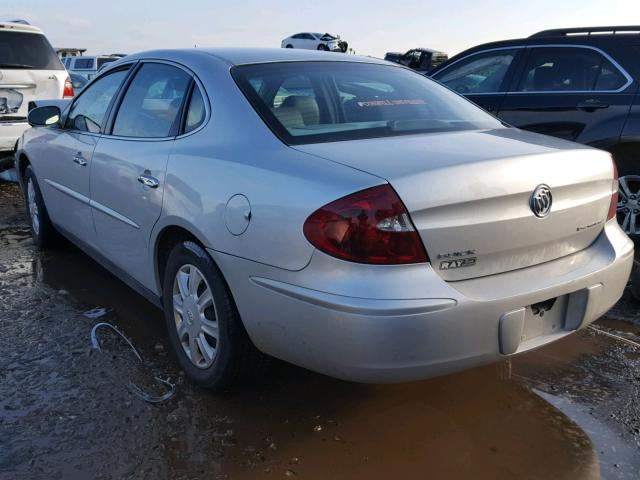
(313, 102)
(27, 50)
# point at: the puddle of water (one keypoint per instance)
(619, 326)
(469, 425)
(478, 423)
(90, 286)
(618, 460)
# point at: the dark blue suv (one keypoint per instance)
(580, 84)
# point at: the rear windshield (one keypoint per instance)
(83, 63)
(27, 50)
(314, 102)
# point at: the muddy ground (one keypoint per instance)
(566, 411)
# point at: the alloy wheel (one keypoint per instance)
(33, 207)
(195, 316)
(628, 209)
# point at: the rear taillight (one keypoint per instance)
(613, 206)
(370, 226)
(68, 89)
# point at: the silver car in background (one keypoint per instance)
(344, 214)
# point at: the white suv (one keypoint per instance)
(29, 70)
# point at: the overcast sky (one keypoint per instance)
(371, 27)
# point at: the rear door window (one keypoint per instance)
(480, 73)
(27, 50)
(569, 69)
(151, 106)
(196, 111)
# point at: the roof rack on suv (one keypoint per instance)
(559, 32)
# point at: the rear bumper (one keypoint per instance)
(392, 324)
(9, 134)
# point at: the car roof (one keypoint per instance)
(588, 31)
(579, 35)
(19, 27)
(97, 56)
(243, 56)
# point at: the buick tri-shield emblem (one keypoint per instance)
(540, 201)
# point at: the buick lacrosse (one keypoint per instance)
(343, 214)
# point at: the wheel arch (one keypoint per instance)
(22, 162)
(166, 239)
(626, 154)
(168, 232)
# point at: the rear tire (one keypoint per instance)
(42, 231)
(627, 158)
(204, 327)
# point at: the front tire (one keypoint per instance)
(323, 48)
(203, 324)
(289, 46)
(42, 231)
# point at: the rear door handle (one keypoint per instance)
(79, 159)
(591, 105)
(148, 181)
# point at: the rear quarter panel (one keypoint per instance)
(236, 153)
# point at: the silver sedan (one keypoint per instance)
(341, 213)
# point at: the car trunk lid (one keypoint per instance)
(469, 194)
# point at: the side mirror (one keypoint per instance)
(44, 116)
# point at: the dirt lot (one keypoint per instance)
(567, 411)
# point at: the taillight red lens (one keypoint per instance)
(68, 89)
(613, 206)
(370, 226)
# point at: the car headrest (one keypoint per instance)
(546, 78)
(288, 117)
(307, 106)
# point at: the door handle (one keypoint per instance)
(591, 105)
(79, 159)
(148, 180)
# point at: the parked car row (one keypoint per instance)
(86, 65)
(341, 213)
(307, 243)
(578, 84)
